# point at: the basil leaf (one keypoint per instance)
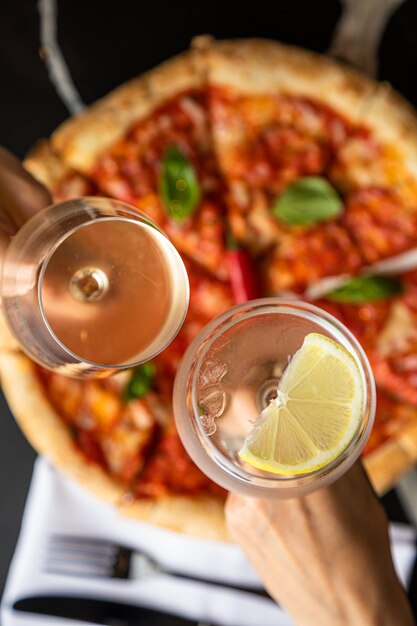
(307, 201)
(140, 382)
(367, 288)
(178, 185)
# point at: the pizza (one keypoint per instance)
(302, 171)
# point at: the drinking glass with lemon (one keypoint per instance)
(274, 398)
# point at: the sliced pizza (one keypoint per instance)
(214, 146)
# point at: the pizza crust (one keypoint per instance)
(44, 428)
(45, 165)
(198, 517)
(259, 66)
(46, 431)
(81, 139)
(8, 342)
(388, 463)
(393, 121)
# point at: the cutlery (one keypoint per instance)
(101, 612)
(359, 32)
(89, 557)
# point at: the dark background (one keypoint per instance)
(106, 42)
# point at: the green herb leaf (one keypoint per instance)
(367, 288)
(140, 382)
(178, 185)
(309, 200)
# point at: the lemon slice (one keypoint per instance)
(315, 415)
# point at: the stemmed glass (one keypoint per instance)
(91, 286)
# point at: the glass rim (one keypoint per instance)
(142, 221)
(275, 305)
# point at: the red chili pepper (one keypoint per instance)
(243, 278)
(90, 447)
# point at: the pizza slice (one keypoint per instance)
(149, 143)
(319, 170)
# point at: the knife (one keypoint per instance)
(101, 612)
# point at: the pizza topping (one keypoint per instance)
(391, 416)
(140, 415)
(178, 185)
(255, 227)
(380, 223)
(244, 281)
(208, 297)
(88, 444)
(307, 201)
(197, 114)
(319, 251)
(365, 320)
(103, 406)
(170, 470)
(391, 376)
(358, 163)
(399, 332)
(125, 450)
(140, 382)
(399, 264)
(73, 185)
(367, 288)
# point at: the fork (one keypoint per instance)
(69, 555)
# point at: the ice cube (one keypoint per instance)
(211, 373)
(213, 405)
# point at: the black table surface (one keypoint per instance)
(104, 43)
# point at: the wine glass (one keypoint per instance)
(92, 286)
(230, 373)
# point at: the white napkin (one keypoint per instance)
(58, 505)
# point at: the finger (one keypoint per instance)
(20, 194)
